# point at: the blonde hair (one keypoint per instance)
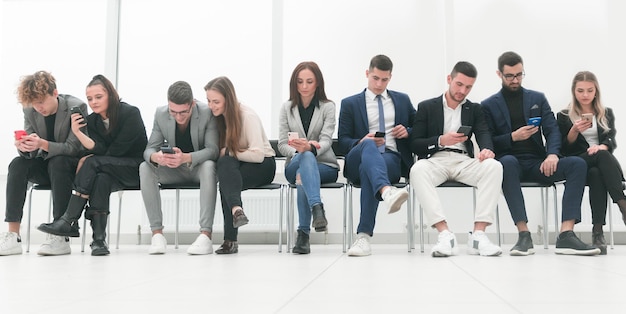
(35, 87)
(575, 109)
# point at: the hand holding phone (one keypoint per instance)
(465, 129)
(292, 136)
(167, 149)
(19, 134)
(534, 121)
(379, 134)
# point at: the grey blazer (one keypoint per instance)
(66, 143)
(204, 135)
(321, 129)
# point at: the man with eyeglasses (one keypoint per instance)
(518, 118)
(183, 148)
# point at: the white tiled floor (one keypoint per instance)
(261, 280)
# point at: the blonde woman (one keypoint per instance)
(588, 131)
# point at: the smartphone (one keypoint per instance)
(379, 134)
(534, 121)
(19, 134)
(292, 135)
(587, 116)
(77, 110)
(167, 149)
(465, 129)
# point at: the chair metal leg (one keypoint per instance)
(284, 206)
(544, 216)
(421, 229)
(498, 226)
(281, 222)
(345, 208)
(30, 210)
(177, 218)
(556, 214)
(82, 245)
(609, 210)
(410, 220)
(120, 195)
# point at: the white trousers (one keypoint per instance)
(486, 176)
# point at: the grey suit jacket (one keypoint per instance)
(321, 129)
(204, 135)
(66, 143)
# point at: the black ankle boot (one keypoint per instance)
(99, 245)
(302, 243)
(67, 225)
(599, 241)
(319, 218)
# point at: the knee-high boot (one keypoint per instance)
(99, 224)
(67, 225)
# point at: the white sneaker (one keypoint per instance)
(10, 243)
(446, 244)
(394, 198)
(202, 246)
(55, 245)
(478, 244)
(158, 244)
(361, 246)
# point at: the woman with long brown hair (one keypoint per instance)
(246, 156)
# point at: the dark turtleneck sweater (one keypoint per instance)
(514, 101)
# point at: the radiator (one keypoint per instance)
(261, 207)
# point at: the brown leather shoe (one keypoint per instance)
(239, 218)
(228, 247)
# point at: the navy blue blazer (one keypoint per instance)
(353, 123)
(535, 105)
(428, 127)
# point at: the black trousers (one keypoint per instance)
(235, 176)
(604, 174)
(58, 172)
(99, 176)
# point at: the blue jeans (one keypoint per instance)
(312, 174)
(572, 169)
(372, 170)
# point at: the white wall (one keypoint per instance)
(257, 44)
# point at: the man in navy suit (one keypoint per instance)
(374, 127)
(446, 152)
(519, 147)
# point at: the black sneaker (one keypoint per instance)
(524, 245)
(568, 243)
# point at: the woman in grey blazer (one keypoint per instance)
(307, 123)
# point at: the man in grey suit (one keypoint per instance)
(48, 155)
(182, 148)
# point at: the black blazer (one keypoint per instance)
(580, 145)
(128, 139)
(428, 127)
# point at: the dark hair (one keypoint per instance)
(464, 68)
(229, 124)
(35, 87)
(114, 99)
(180, 93)
(320, 94)
(382, 63)
(509, 58)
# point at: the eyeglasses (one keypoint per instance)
(511, 77)
(182, 113)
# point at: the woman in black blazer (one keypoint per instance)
(115, 140)
(588, 131)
